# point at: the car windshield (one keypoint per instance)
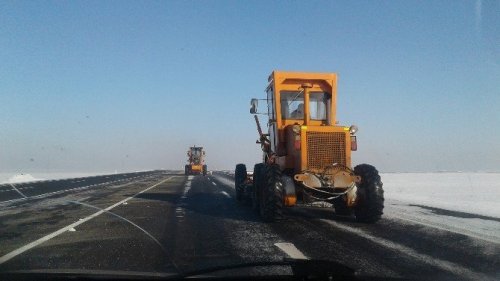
(169, 139)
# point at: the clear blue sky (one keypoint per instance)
(117, 85)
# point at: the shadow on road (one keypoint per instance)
(317, 213)
(218, 205)
(159, 196)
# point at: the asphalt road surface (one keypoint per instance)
(165, 222)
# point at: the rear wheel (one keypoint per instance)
(186, 170)
(271, 199)
(240, 175)
(204, 170)
(258, 175)
(370, 195)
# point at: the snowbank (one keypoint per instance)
(21, 178)
(30, 177)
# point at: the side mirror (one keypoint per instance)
(254, 103)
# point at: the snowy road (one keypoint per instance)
(167, 223)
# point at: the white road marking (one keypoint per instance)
(22, 194)
(46, 238)
(226, 194)
(291, 251)
(179, 210)
(84, 198)
(442, 264)
(214, 183)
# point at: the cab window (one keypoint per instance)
(292, 105)
(319, 103)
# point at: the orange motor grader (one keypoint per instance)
(196, 161)
(306, 154)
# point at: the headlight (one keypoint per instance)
(353, 129)
(296, 129)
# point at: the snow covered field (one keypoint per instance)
(476, 193)
(465, 203)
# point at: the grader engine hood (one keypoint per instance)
(321, 148)
(323, 157)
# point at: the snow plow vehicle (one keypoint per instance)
(196, 161)
(306, 154)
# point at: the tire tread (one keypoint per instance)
(370, 193)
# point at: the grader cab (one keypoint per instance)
(306, 154)
(196, 161)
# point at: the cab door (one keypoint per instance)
(271, 111)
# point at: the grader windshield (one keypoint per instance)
(292, 105)
(196, 153)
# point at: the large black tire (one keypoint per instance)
(204, 170)
(240, 175)
(271, 195)
(258, 175)
(370, 194)
(186, 170)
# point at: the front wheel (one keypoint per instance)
(271, 195)
(370, 195)
(204, 170)
(240, 175)
(258, 175)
